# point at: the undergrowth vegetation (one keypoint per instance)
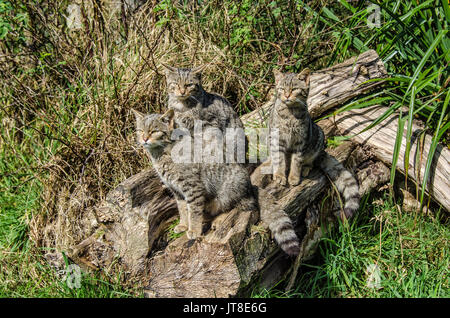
(383, 252)
(67, 138)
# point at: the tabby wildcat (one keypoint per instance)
(207, 187)
(198, 188)
(302, 141)
(191, 102)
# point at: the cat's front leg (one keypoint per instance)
(279, 167)
(185, 119)
(183, 210)
(196, 206)
(295, 169)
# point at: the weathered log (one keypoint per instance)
(335, 85)
(235, 252)
(382, 141)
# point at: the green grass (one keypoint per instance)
(413, 43)
(26, 274)
(23, 270)
(171, 235)
(412, 257)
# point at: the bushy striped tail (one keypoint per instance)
(344, 181)
(281, 227)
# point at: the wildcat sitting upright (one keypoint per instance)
(191, 103)
(199, 188)
(302, 141)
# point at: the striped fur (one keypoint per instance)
(300, 137)
(301, 145)
(280, 225)
(344, 181)
(192, 104)
(199, 188)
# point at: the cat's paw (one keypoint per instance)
(306, 171)
(180, 228)
(281, 180)
(192, 235)
(294, 180)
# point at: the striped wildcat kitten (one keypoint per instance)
(203, 188)
(191, 102)
(301, 140)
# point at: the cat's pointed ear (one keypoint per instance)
(169, 69)
(304, 75)
(278, 75)
(198, 69)
(169, 117)
(139, 116)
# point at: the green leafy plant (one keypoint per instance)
(413, 43)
